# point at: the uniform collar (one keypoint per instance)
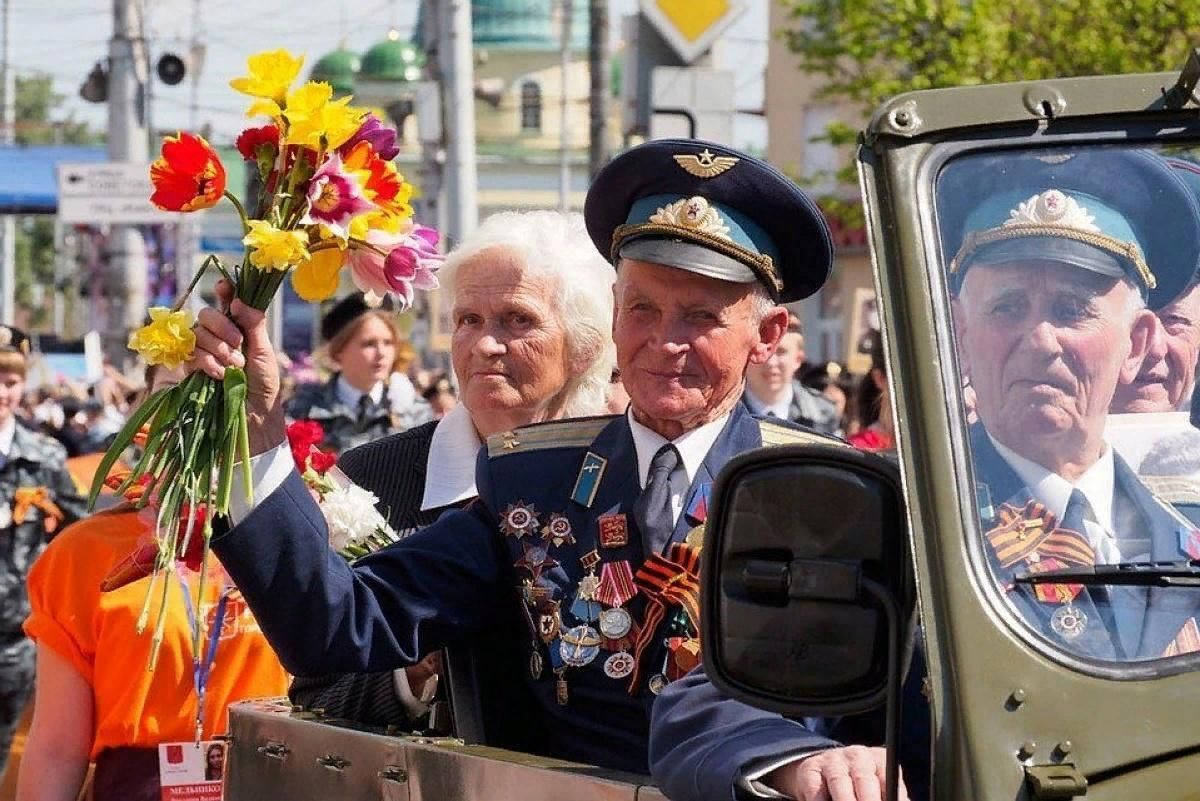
(450, 466)
(7, 432)
(781, 408)
(693, 446)
(349, 396)
(1096, 484)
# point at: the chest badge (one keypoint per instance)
(519, 520)
(587, 483)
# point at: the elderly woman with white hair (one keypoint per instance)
(531, 307)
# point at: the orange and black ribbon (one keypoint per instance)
(673, 580)
(1023, 532)
(26, 499)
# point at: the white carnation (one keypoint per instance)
(351, 516)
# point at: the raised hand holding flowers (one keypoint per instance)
(332, 197)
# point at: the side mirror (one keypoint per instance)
(808, 585)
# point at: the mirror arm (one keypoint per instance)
(895, 670)
(803, 579)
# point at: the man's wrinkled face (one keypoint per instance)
(1169, 370)
(1046, 346)
(684, 341)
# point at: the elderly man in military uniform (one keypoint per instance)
(1052, 279)
(37, 498)
(585, 533)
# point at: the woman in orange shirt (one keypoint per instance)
(96, 698)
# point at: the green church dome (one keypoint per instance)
(393, 60)
(522, 24)
(338, 69)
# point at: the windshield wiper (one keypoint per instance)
(1124, 574)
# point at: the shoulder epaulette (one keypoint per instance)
(576, 433)
(776, 434)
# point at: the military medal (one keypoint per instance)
(658, 682)
(518, 520)
(698, 508)
(549, 622)
(614, 531)
(535, 560)
(1068, 622)
(536, 664)
(685, 656)
(1189, 541)
(560, 688)
(615, 623)
(585, 607)
(619, 665)
(558, 530)
(695, 537)
(616, 583)
(579, 646)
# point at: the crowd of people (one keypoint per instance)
(550, 494)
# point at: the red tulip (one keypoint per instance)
(189, 176)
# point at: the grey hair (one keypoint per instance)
(1174, 455)
(557, 244)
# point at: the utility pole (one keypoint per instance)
(598, 90)
(8, 231)
(127, 142)
(564, 139)
(455, 50)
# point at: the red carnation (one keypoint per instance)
(256, 144)
(320, 461)
(303, 436)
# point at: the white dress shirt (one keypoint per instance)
(349, 395)
(693, 447)
(781, 408)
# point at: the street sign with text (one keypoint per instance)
(107, 194)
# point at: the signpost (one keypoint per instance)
(109, 193)
(691, 26)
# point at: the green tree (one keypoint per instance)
(870, 50)
(35, 110)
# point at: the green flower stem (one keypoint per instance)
(241, 210)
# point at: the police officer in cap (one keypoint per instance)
(586, 532)
(364, 400)
(37, 499)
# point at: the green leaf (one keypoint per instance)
(124, 438)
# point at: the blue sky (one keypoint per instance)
(64, 38)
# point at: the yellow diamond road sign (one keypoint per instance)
(691, 26)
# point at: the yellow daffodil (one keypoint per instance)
(271, 75)
(167, 340)
(273, 249)
(313, 115)
(316, 278)
(265, 108)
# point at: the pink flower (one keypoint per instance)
(412, 264)
(334, 197)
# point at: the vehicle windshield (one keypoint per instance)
(1073, 281)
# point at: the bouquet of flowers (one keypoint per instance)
(332, 199)
(356, 528)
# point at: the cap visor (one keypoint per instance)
(1055, 249)
(688, 256)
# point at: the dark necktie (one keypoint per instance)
(364, 412)
(652, 510)
(1076, 513)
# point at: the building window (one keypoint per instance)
(531, 106)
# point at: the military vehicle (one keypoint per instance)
(819, 560)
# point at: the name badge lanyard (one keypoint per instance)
(202, 668)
